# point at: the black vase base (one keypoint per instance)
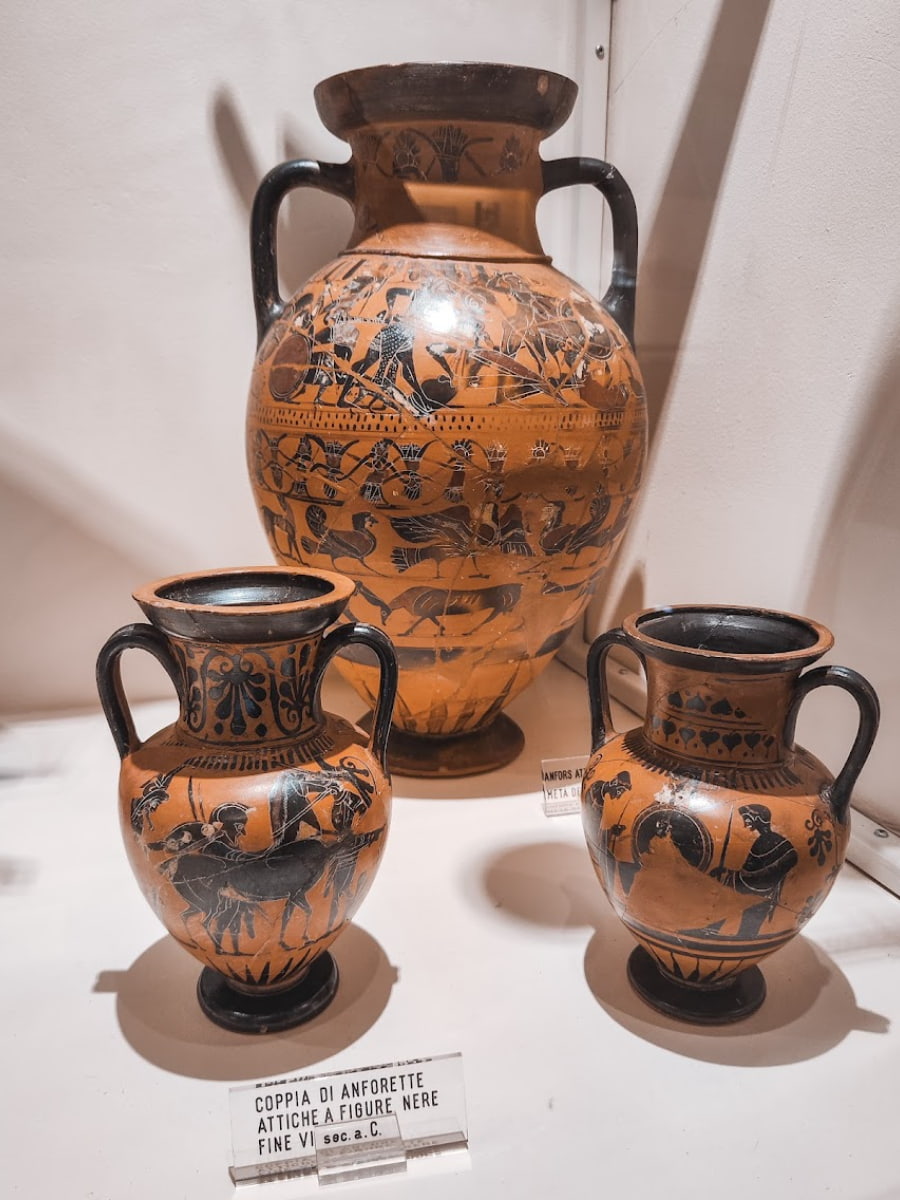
(720, 1005)
(423, 756)
(269, 1012)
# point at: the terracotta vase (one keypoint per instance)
(255, 823)
(440, 413)
(714, 836)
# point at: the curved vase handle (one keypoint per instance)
(601, 721)
(620, 295)
(869, 712)
(336, 178)
(109, 679)
(366, 635)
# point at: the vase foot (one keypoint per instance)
(424, 756)
(268, 1012)
(687, 1002)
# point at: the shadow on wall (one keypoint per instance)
(71, 563)
(676, 243)
(314, 227)
(67, 584)
(854, 590)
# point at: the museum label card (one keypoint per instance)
(348, 1123)
(561, 782)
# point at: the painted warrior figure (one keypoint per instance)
(391, 352)
(768, 863)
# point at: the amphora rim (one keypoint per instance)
(235, 604)
(726, 637)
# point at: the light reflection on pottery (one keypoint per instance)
(439, 413)
(714, 836)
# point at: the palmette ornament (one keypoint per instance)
(714, 836)
(438, 412)
(256, 822)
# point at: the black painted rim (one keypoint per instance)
(737, 638)
(462, 91)
(246, 603)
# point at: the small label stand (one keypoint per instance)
(358, 1149)
(349, 1124)
(561, 782)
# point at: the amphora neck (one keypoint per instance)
(710, 718)
(245, 646)
(720, 681)
(449, 146)
(244, 695)
(474, 184)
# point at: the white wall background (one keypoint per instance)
(761, 140)
(134, 136)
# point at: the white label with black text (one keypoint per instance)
(561, 782)
(285, 1121)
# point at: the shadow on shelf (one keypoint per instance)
(160, 1018)
(16, 874)
(810, 1006)
(550, 884)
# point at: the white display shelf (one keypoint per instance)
(485, 932)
